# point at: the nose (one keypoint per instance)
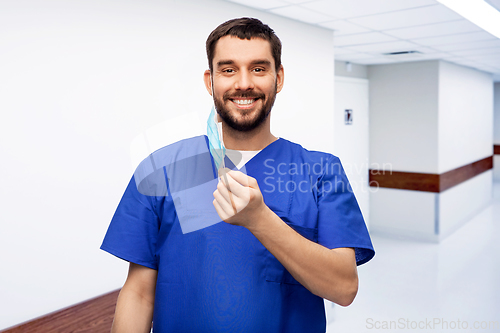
(244, 81)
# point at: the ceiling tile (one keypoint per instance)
(366, 38)
(434, 56)
(493, 67)
(454, 61)
(261, 4)
(407, 18)
(352, 57)
(486, 68)
(350, 8)
(341, 27)
(433, 30)
(451, 59)
(341, 50)
(464, 62)
(400, 25)
(489, 62)
(378, 48)
(468, 46)
(484, 57)
(294, 1)
(374, 61)
(494, 3)
(493, 50)
(455, 39)
(302, 14)
(427, 50)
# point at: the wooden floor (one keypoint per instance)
(94, 315)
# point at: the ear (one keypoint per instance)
(207, 77)
(280, 78)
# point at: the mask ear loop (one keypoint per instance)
(222, 173)
(219, 127)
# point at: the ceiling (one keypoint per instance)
(366, 31)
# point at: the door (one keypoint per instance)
(351, 135)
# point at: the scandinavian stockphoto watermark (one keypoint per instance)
(321, 177)
(431, 324)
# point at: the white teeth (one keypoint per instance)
(243, 101)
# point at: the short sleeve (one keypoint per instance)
(133, 231)
(340, 222)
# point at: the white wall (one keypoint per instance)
(465, 136)
(403, 137)
(429, 117)
(403, 213)
(461, 203)
(356, 70)
(465, 116)
(496, 130)
(496, 168)
(496, 117)
(404, 115)
(78, 82)
(351, 141)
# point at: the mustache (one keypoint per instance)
(249, 95)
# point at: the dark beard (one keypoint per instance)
(246, 126)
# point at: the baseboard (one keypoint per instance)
(95, 315)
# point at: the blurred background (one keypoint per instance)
(405, 92)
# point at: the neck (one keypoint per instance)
(257, 139)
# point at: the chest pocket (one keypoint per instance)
(274, 270)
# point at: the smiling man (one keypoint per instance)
(247, 81)
(292, 232)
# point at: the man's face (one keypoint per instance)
(244, 81)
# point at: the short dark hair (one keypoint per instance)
(244, 28)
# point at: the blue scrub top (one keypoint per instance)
(220, 278)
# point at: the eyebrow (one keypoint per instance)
(261, 62)
(224, 62)
(255, 62)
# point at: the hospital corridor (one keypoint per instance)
(116, 135)
(431, 287)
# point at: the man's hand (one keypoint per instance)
(238, 199)
(328, 273)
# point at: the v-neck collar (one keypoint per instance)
(266, 148)
(229, 164)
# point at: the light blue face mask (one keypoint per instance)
(217, 148)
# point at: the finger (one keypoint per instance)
(231, 196)
(243, 179)
(222, 214)
(225, 191)
(240, 201)
(238, 189)
(225, 205)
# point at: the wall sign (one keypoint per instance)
(348, 117)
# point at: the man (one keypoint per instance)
(292, 231)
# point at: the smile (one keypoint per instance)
(243, 101)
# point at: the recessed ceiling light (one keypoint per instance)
(403, 54)
(478, 12)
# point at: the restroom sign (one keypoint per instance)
(348, 117)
